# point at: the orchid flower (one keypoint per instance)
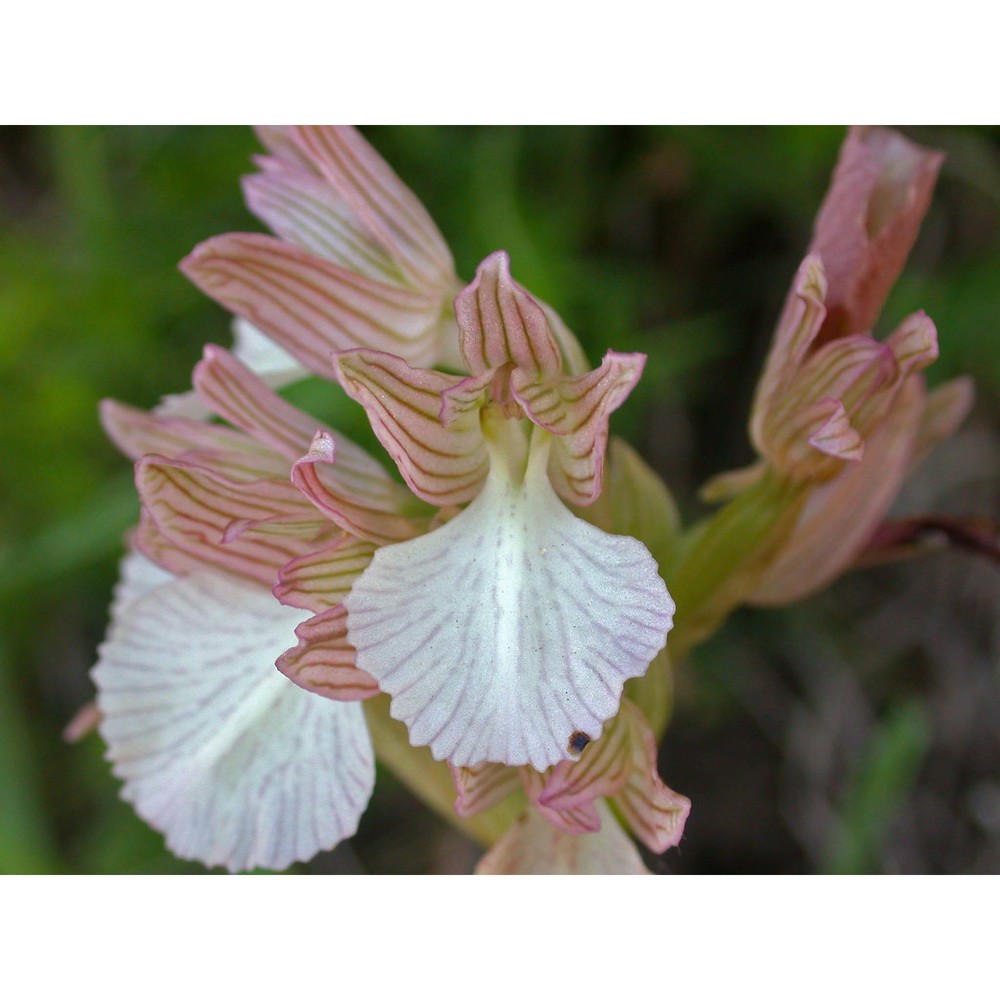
(840, 414)
(241, 768)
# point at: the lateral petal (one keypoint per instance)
(442, 464)
(207, 516)
(481, 787)
(323, 661)
(842, 513)
(218, 751)
(653, 812)
(378, 511)
(532, 846)
(389, 209)
(304, 209)
(310, 306)
(577, 410)
(512, 627)
(137, 433)
(323, 578)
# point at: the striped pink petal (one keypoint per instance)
(387, 207)
(232, 762)
(653, 812)
(794, 335)
(138, 433)
(481, 787)
(310, 306)
(305, 210)
(322, 579)
(577, 410)
(511, 628)
(380, 512)
(843, 513)
(442, 464)
(501, 324)
(207, 516)
(323, 661)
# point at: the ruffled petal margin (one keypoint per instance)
(221, 753)
(510, 629)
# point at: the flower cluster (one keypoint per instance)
(493, 626)
(501, 626)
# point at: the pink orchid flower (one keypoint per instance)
(503, 631)
(835, 410)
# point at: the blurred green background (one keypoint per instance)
(855, 732)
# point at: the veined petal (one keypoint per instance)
(481, 787)
(576, 410)
(511, 628)
(137, 433)
(389, 209)
(878, 196)
(238, 395)
(581, 817)
(834, 434)
(310, 306)
(795, 333)
(207, 515)
(322, 579)
(532, 846)
(501, 324)
(377, 511)
(218, 751)
(842, 513)
(323, 661)
(306, 210)
(653, 812)
(442, 464)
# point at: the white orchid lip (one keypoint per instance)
(512, 627)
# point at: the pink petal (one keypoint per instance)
(443, 465)
(322, 579)
(794, 335)
(138, 433)
(878, 196)
(379, 511)
(387, 207)
(577, 411)
(500, 323)
(310, 306)
(197, 510)
(323, 661)
(481, 787)
(533, 846)
(654, 813)
(305, 210)
(842, 514)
